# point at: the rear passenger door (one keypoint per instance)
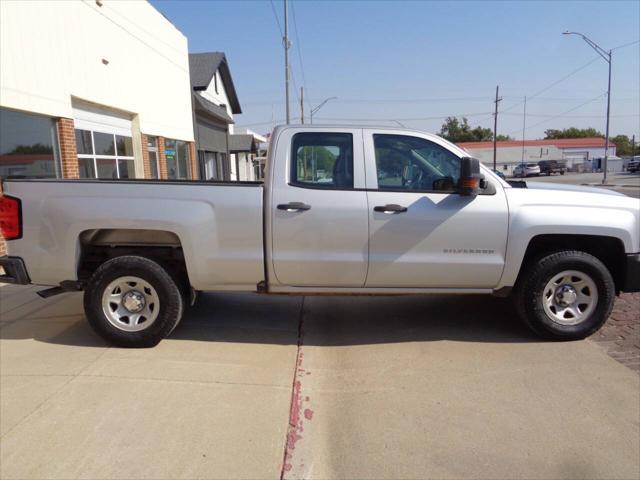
(319, 218)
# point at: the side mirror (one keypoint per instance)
(470, 177)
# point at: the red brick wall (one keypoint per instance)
(162, 159)
(145, 156)
(68, 152)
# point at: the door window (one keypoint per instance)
(411, 163)
(322, 160)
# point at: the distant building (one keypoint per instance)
(580, 154)
(214, 103)
(93, 90)
(249, 148)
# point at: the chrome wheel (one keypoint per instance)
(130, 304)
(570, 297)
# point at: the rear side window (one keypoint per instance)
(322, 160)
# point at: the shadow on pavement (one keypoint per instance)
(355, 320)
(326, 321)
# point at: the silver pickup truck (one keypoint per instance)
(343, 210)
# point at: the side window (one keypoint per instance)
(412, 163)
(322, 160)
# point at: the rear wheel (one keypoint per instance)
(566, 295)
(132, 301)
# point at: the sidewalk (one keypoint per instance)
(333, 387)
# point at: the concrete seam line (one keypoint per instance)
(289, 440)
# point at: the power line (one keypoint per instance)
(626, 45)
(299, 50)
(548, 87)
(394, 119)
(273, 9)
(560, 114)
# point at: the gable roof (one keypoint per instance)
(592, 142)
(202, 68)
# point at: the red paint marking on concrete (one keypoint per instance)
(297, 415)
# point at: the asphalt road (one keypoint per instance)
(326, 387)
(625, 182)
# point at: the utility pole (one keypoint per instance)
(286, 43)
(524, 124)
(495, 130)
(302, 105)
(633, 145)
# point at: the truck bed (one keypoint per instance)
(218, 226)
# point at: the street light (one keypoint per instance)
(314, 110)
(607, 57)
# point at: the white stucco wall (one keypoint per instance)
(219, 98)
(51, 51)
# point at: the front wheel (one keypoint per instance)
(132, 301)
(567, 295)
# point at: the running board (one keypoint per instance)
(66, 286)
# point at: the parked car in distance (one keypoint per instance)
(343, 210)
(499, 173)
(527, 170)
(547, 167)
(634, 164)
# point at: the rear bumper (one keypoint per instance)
(14, 271)
(631, 281)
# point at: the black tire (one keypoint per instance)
(530, 288)
(171, 304)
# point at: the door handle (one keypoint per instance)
(390, 209)
(294, 207)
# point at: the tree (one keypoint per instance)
(503, 138)
(623, 145)
(31, 149)
(456, 131)
(572, 132)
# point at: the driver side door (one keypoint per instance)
(422, 233)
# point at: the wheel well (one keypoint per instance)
(164, 247)
(609, 250)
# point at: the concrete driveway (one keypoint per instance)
(325, 387)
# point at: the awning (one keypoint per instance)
(242, 143)
(206, 107)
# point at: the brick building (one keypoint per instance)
(101, 91)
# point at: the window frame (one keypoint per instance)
(153, 149)
(54, 137)
(293, 163)
(374, 164)
(115, 158)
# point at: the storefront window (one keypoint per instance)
(104, 155)
(28, 145)
(177, 155)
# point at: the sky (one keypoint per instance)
(416, 62)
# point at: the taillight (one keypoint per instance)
(10, 217)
